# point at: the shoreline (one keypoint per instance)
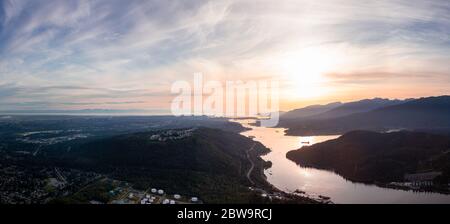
(314, 195)
(266, 188)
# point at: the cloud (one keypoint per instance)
(374, 77)
(94, 50)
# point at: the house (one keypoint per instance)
(154, 137)
(422, 179)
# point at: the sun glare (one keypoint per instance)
(305, 70)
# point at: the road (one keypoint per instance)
(252, 164)
(60, 176)
(90, 183)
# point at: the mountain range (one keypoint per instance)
(309, 111)
(429, 113)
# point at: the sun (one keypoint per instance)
(305, 70)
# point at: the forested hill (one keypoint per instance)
(207, 162)
(383, 157)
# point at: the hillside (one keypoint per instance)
(309, 111)
(209, 163)
(423, 113)
(378, 157)
(357, 107)
(337, 109)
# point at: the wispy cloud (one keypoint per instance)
(90, 51)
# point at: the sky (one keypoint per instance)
(117, 54)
